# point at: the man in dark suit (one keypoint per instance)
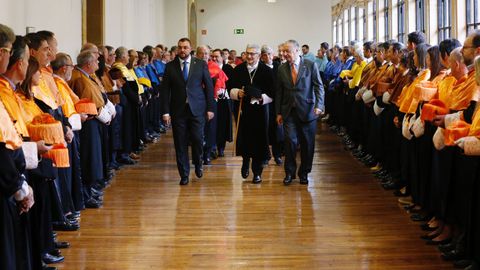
(298, 102)
(187, 95)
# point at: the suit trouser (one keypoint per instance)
(187, 127)
(303, 133)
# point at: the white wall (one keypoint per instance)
(175, 22)
(135, 23)
(308, 22)
(63, 17)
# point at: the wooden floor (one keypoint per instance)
(342, 220)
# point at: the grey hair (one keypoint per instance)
(293, 42)
(359, 51)
(456, 55)
(6, 35)
(253, 46)
(84, 58)
(60, 61)
(266, 49)
(207, 48)
(120, 51)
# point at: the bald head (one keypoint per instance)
(457, 64)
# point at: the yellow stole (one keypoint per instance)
(13, 105)
(407, 103)
(463, 92)
(68, 96)
(8, 133)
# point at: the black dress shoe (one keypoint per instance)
(441, 242)
(428, 236)
(184, 181)
(419, 217)
(62, 244)
(198, 171)
(287, 180)
(92, 203)
(462, 263)
(278, 161)
(221, 152)
(453, 255)
(256, 179)
(446, 247)
(207, 161)
(426, 227)
(65, 226)
(55, 252)
(304, 179)
(49, 259)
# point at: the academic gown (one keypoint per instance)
(252, 141)
(224, 114)
(15, 240)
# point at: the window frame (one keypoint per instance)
(472, 23)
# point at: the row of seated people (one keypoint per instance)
(411, 114)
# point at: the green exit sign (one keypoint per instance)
(239, 31)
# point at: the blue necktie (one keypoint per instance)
(185, 70)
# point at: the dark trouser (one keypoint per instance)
(257, 164)
(77, 187)
(210, 134)
(303, 133)
(187, 127)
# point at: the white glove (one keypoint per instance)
(460, 142)
(418, 127)
(386, 98)
(406, 128)
(439, 139)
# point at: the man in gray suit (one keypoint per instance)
(188, 96)
(298, 102)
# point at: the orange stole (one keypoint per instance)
(49, 88)
(458, 130)
(463, 92)
(13, 105)
(8, 133)
(406, 100)
(68, 96)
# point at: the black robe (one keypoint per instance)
(131, 117)
(252, 138)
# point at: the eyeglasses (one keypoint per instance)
(8, 50)
(251, 53)
(469, 47)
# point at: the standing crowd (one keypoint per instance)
(410, 113)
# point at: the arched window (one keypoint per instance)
(420, 15)
(444, 20)
(473, 15)
(401, 21)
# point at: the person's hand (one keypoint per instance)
(317, 111)
(210, 115)
(167, 119)
(83, 117)
(460, 142)
(42, 147)
(27, 202)
(396, 122)
(69, 135)
(439, 121)
(279, 119)
(241, 93)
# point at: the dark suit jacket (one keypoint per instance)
(306, 94)
(198, 88)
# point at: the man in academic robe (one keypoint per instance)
(224, 105)
(275, 132)
(62, 67)
(130, 102)
(187, 94)
(15, 193)
(252, 85)
(298, 103)
(91, 156)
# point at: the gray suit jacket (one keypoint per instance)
(305, 95)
